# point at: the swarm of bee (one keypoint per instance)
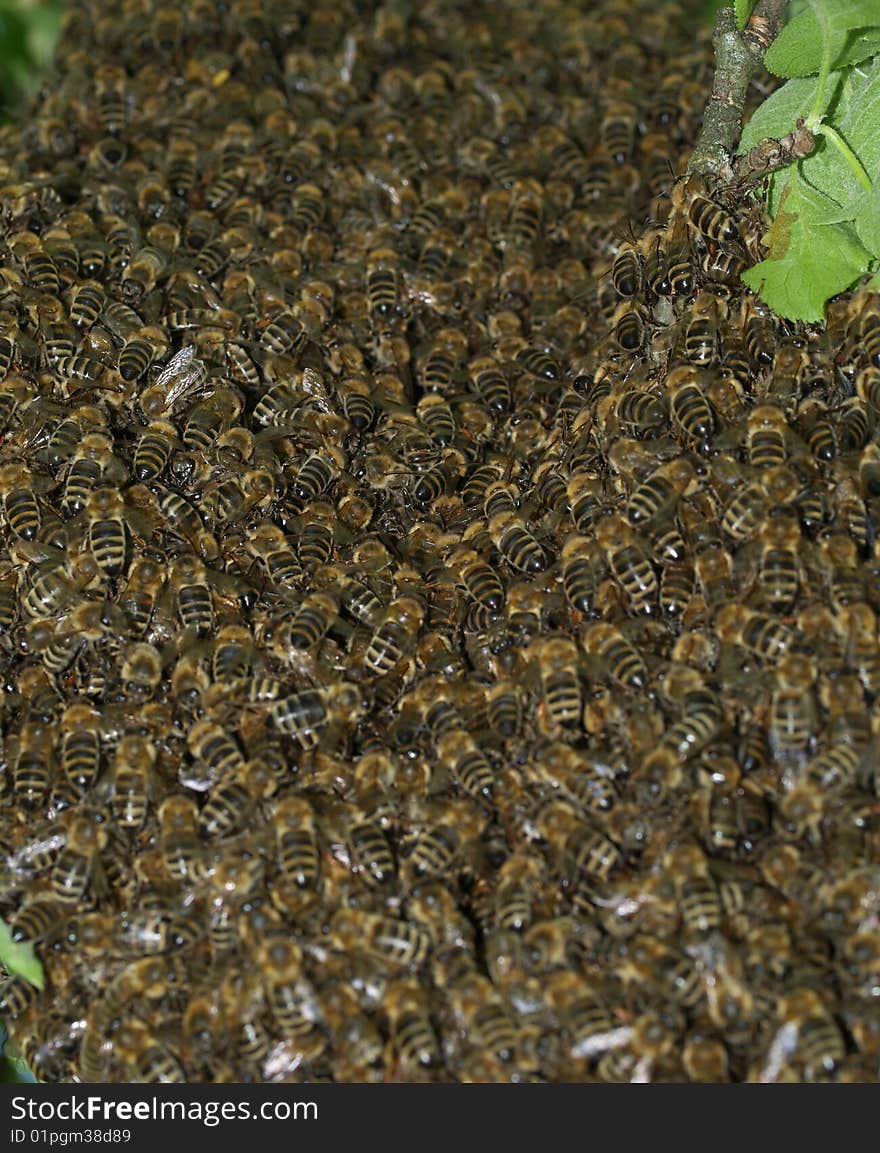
(438, 604)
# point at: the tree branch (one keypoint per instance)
(769, 155)
(737, 59)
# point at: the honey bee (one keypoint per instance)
(20, 504)
(146, 1057)
(396, 635)
(628, 562)
(689, 406)
(660, 492)
(303, 715)
(78, 867)
(80, 754)
(705, 216)
(818, 1041)
(622, 660)
(555, 660)
(182, 376)
(765, 636)
(413, 1039)
(134, 781)
(577, 847)
(296, 842)
(195, 606)
(386, 939)
(180, 845)
(107, 537)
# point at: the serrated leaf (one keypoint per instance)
(19, 957)
(797, 50)
(819, 262)
(743, 10)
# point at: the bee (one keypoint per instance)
(303, 715)
(700, 343)
(17, 995)
(145, 1056)
(388, 940)
(396, 636)
(81, 745)
(296, 842)
(578, 848)
(628, 563)
(759, 334)
(765, 636)
(284, 335)
(138, 598)
(626, 271)
(33, 764)
(705, 216)
(180, 845)
(555, 660)
(857, 623)
(187, 577)
(290, 996)
(744, 513)
(66, 436)
(490, 384)
(316, 473)
(77, 867)
(208, 742)
(133, 781)
(270, 546)
(382, 283)
(638, 413)
(437, 418)
(466, 763)
(622, 660)
(688, 405)
(91, 460)
(516, 543)
(153, 450)
(483, 1017)
(39, 267)
(480, 580)
(105, 509)
(629, 326)
(38, 919)
(765, 437)
(112, 98)
(370, 850)
(680, 277)
(869, 331)
(819, 1042)
(20, 504)
(232, 798)
(504, 709)
(779, 566)
(580, 572)
(183, 375)
(698, 898)
(413, 1039)
(660, 492)
(87, 304)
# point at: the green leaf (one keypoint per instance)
(779, 113)
(811, 262)
(743, 10)
(855, 115)
(797, 50)
(867, 220)
(19, 957)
